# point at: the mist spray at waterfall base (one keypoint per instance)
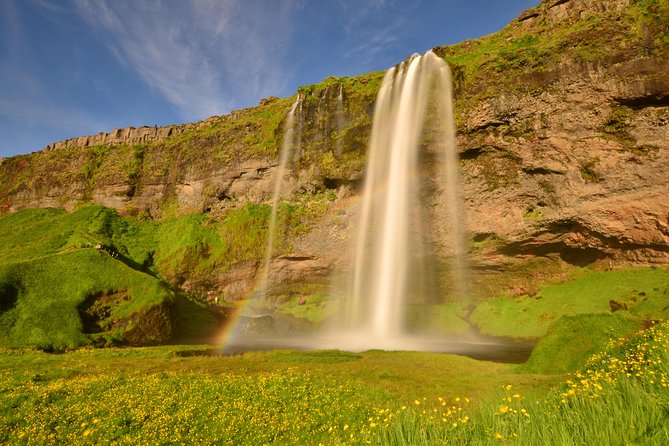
(410, 182)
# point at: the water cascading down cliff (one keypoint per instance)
(394, 263)
(290, 152)
(408, 182)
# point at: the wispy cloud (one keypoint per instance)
(11, 47)
(375, 42)
(371, 27)
(198, 55)
(360, 12)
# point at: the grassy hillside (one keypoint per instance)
(45, 298)
(642, 293)
(571, 340)
(58, 291)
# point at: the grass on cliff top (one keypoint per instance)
(254, 132)
(643, 293)
(512, 56)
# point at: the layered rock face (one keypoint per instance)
(575, 162)
(563, 124)
(548, 171)
(558, 10)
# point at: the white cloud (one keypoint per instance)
(199, 55)
(371, 27)
(373, 43)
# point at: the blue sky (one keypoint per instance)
(79, 67)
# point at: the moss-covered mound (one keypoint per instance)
(84, 277)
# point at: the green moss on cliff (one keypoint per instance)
(523, 57)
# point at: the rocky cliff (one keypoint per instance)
(563, 124)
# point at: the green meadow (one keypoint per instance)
(190, 395)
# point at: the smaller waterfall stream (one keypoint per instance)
(339, 121)
(290, 150)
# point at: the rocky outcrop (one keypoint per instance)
(129, 135)
(554, 11)
(237, 283)
(152, 326)
(557, 177)
(292, 268)
(138, 135)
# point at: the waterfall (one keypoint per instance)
(290, 151)
(390, 247)
(339, 120)
(411, 197)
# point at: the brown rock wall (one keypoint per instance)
(557, 10)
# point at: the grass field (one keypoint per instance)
(173, 394)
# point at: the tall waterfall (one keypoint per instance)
(391, 249)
